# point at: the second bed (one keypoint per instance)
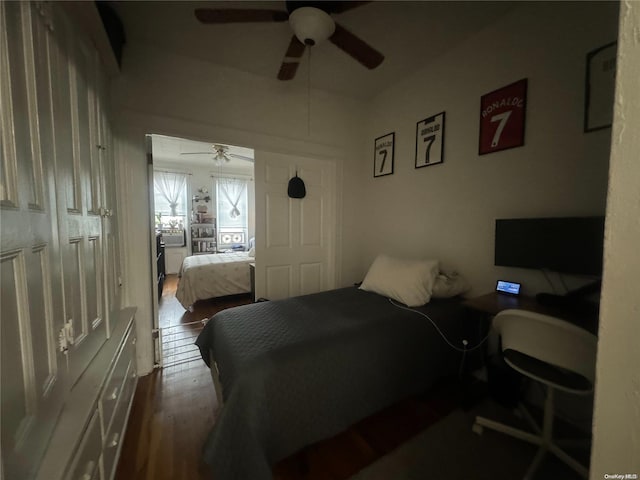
(215, 275)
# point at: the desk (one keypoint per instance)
(503, 384)
(494, 302)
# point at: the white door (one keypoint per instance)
(78, 196)
(295, 238)
(32, 368)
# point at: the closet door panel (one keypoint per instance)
(17, 382)
(42, 330)
(17, 46)
(68, 179)
(74, 290)
(8, 165)
(82, 112)
(93, 272)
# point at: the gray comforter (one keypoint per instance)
(300, 370)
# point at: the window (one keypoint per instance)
(170, 198)
(232, 212)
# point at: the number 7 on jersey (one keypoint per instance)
(430, 141)
(383, 155)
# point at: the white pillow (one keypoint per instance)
(407, 281)
(449, 285)
(252, 252)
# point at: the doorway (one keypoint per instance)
(202, 201)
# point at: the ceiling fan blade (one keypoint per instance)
(296, 48)
(288, 70)
(241, 157)
(339, 7)
(357, 48)
(239, 15)
(196, 153)
(289, 65)
(325, 5)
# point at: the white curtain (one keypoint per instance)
(171, 186)
(232, 189)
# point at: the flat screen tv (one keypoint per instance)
(571, 245)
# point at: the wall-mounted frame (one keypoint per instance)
(430, 140)
(383, 155)
(600, 87)
(502, 118)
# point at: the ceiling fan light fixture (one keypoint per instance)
(311, 25)
(220, 154)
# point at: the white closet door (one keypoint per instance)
(79, 221)
(295, 238)
(33, 370)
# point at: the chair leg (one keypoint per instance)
(537, 460)
(547, 422)
(512, 431)
(569, 460)
(584, 443)
(548, 437)
(544, 439)
(532, 423)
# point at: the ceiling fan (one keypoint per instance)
(311, 23)
(220, 154)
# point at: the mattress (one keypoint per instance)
(299, 370)
(215, 275)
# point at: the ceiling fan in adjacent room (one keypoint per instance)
(220, 153)
(311, 23)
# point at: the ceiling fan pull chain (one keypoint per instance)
(309, 94)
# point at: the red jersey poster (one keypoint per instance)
(502, 115)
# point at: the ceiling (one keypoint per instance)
(169, 152)
(410, 34)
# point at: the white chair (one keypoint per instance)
(554, 352)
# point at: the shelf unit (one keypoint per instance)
(203, 238)
(204, 232)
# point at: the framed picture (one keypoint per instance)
(430, 141)
(600, 87)
(502, 115)
(383, 155)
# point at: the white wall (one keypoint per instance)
(616, 442)
(170, 95)
(447, 211)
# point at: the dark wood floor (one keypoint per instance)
(173, 411)
(172, 313)
(180, 328)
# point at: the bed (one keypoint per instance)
(215, 275)
(299, 370)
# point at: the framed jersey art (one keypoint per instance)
(502, 118)
(430, 141)
(383, 155)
